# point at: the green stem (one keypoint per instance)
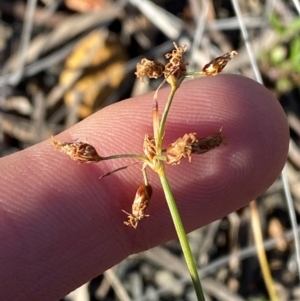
(194, 73)
(119, 156)
(181, 234)
(164, 119)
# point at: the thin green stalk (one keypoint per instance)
(155, 117)
(181, 234)
(193, 74)
(164, 118)
(120, 156)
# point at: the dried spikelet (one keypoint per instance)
(140, 203)
(217, 65)
(205, 144)
(189, 144)
(149, 147)
(176, 68)
(78, 151)
(152, 69)
(181, 148)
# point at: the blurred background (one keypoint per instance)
(62, 60)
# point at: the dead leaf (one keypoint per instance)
(85, 6)
(98, 66)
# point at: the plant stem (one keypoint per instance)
(119, 156)
(261, 253)
(155, 117)
(181, 234)
(164, 118)
(194, 73)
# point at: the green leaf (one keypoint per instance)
(276, 23)
(295, 54)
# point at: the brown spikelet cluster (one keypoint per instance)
(181, 148)
(176, 68)
(140, 203)
(152, 69)
(149, 147)
(78, 151)
(189, 144)
(205, 144)
(217, 65)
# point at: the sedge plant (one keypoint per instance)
(155, 155)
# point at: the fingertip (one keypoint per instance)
(80, 217)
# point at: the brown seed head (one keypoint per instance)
(189, 144)
(78, 151)
(176, 68)
(216, 66)
(149, 147)
(181, 148)
(205, 144)
(140, 203)
(152, 69)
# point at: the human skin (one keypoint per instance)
(61, 225)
